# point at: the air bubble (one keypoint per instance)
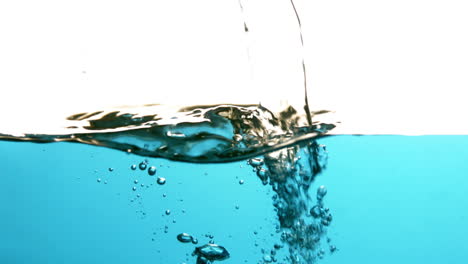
(134, 188)
(133, 167)
(316, 211)
(142, 165)
(241, 182)
(111, 169)
(168, 212)
(237, 137)
(135, 181)
(184, 238)
(321, 192)
(256, 162)
(151, 170)
(267, 258)
(161, 180)
(98, 180)
(211, 252)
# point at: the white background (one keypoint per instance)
(384, 66)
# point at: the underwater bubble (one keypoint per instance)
(98, 180)
(161, 180)
(135, 181)
(237, 207)
(133, 167)
(151, 170)
(237, 137)
(325, 222)
(321, 192)
(256, 162)
(332, 248)
(142, 165)
(241, 182)
(111, 169)
(316, 211)
(168, 212)
(184, 238)
(194, 240)
(134, 188)
(267, 258)
(211, 252)
(263, 175)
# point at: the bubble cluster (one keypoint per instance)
(302, 222)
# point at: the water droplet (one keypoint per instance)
(161, 180)
(133, 167)
(168, 212)
(184, 238)
(151, 170)
(142, 165)
(321, 192)
(241, 182)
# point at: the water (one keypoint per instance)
(281, 151)
(393, 199)
(228, 183)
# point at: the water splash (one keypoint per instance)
(223, 133)
(218, 133)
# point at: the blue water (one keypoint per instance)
(394, 199)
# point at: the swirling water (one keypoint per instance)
(283, 154)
